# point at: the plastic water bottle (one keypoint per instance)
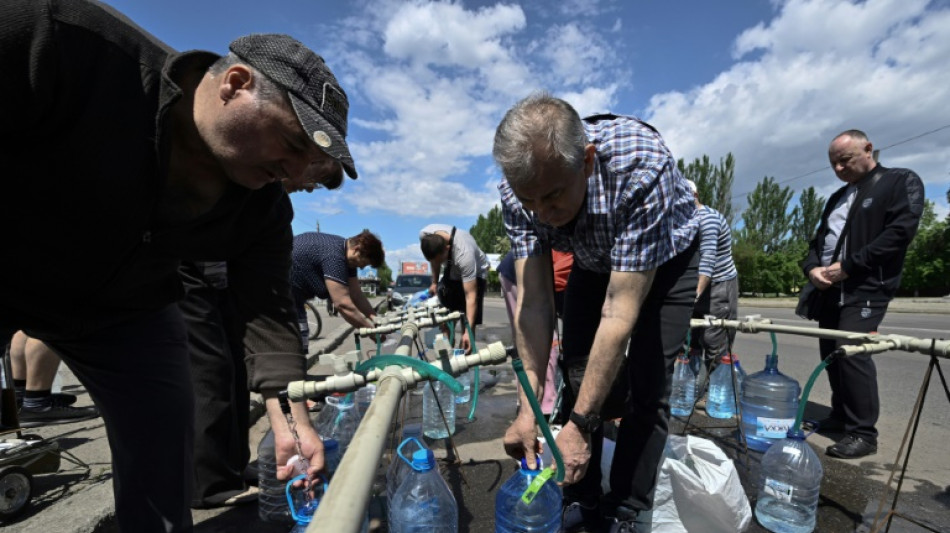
(423, 502)
(683, 395)
(769, 402)
(513, 515)
(331, 455)
(398, 468)
(464, 379)
(433, 411)
(740, 374)
(364, 397)
(271, 501)
(789, 486)
(339, 420)
(721, 402)
(417, 298)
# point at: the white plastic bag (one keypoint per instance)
(698, 490)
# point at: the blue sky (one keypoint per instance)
(770, 81)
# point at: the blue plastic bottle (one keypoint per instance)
(789, 486)
(683, 395)
(769, 402)
(398, 468)
(331, 455)
(721, 402)
(423, 503)
(513, 515)
(339, 420)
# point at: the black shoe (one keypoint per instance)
(630, 521)
(830, 424)
(851, 447)
(579, 518)
(57, 414)
(63, 399)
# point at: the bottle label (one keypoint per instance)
(779, 490)
(772, 428)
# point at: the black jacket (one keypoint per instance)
(84, 140)
(884, 219)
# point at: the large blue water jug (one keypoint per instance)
(423, 503)
(789, 486)
(721, 402)
(769, 405)
(683, 394)
(541, 515)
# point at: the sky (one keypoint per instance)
(771, 82)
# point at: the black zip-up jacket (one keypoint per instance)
(84, 144)
(884, 219)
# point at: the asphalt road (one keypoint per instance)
(71, 501)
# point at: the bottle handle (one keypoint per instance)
(399, 452)
(290, 499)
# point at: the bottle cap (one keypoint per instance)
(330, 444)
(727, 358)
(423, 460)
(537, 462)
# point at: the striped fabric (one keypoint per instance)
(715, 246)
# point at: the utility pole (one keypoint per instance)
(318, 226)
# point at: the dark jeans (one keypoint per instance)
(854, 396)
(658, 335)
(138, 375)
(222, 399)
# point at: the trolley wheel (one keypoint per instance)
(314, 322)
(16, 489)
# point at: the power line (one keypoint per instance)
(822, 169)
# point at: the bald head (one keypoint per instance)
(851, 155)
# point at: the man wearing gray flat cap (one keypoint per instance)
(124, 158)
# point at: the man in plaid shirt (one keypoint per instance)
(607, 189)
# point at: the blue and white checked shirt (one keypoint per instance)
(639, 208)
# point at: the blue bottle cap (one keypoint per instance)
(795, 434)
(330, 444)
(537, 462)
(423, 460)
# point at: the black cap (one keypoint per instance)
(316, 96)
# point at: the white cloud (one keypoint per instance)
(409, 252)
(818, 68)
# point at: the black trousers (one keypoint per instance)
(138, 374)
(222, 399)
(657, 337)
(854, 395)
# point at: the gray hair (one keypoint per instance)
(267, 90)
(539, 129)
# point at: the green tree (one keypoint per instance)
(713, 183)
(807, 215)
(488, 229)
(927, 264)
(385, 275)
(766, 220)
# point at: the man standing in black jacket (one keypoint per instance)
(119, 158)
(856, 259)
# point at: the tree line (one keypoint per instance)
(771, 241)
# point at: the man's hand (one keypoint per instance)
(818, 278)
(465, 343)
(521, 440)
(310, 445)
(834, 273)
(433, 289)
(575, 452)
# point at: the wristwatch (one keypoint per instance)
(586, 423)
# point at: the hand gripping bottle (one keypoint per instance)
(789, 486)
(520, 510)
(423, 503)
(683, 395)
